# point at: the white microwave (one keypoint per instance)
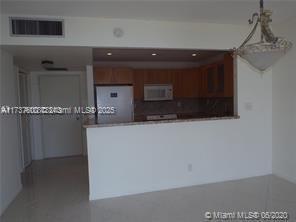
(158, 92)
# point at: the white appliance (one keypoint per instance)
(115, 104)
(158, 92)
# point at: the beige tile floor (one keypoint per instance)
(57, 191)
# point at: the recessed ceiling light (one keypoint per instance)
(109, 54)
(153, 54)
(194, 54)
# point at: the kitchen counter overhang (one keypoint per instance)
(91, 123)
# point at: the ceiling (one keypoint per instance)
(217, 11)
(30, 57)
(76, 58)
(158, 55)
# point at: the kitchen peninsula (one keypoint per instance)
(200, 91)
(172, 98)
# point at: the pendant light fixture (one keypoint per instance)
(269, 49)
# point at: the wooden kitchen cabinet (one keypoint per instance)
(149, 76)
(139, 83)
(158, 76)
(193, 83)
(122, 75)
(217, 78)
(213, 80)
(102, 75)
(113, 75)
(187, 83)
(177, 75)
(229, 75)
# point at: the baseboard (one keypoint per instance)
(285, 177)
(100, 196)
(6, 205)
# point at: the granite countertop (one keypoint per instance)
(141, 120)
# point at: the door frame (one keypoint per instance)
(38, 147)
(21, 72)
(79, 92)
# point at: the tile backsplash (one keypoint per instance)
(209, 106)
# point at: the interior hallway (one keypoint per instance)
(56, 190)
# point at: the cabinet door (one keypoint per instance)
(157, 76)
(139, 75)
(198, 78)
(186, 83)
(122, 75)
(178, 87)
(191, 83)
(113, 75)
(229, 75)
(102, 75)
(220, 80)
(210, 80)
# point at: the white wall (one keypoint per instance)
(10, 142)
(99, 32)
(242, 147)
(284, 108)
(134, 159)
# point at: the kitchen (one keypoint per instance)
(155, 102)
(191, 121)
(162, 85)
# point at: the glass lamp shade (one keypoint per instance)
(263, 55)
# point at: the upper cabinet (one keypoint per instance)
(217, 78)
(187, 83)
(229, 75)
(150, 76)
(157, 76)
(214, 80)
(139, 76)
(113, 75)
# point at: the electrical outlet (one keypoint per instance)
(189, 167)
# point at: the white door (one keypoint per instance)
(25, 121)
(61, 133)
